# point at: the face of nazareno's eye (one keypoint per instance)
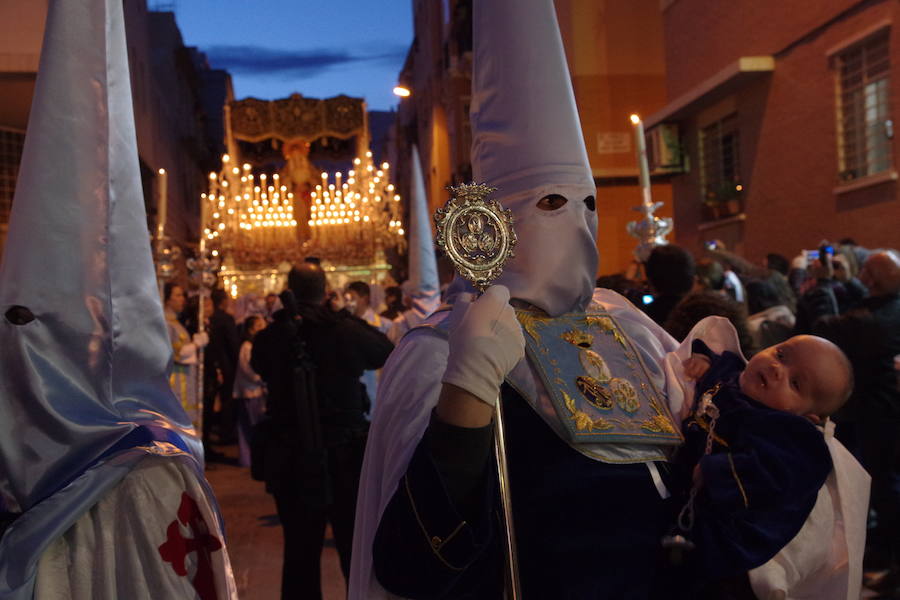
(552, 202)
(19, 315)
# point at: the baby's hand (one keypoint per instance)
(696, 366)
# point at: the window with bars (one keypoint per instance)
(11, 142)
(720, 164)
(864, 124)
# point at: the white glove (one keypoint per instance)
(200, 339)
(486, 342)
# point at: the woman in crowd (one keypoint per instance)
(184, 347)
(249, 390)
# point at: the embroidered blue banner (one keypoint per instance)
(596, 379)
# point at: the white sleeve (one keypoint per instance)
(132, 543)
(187, 354)
(407, 392)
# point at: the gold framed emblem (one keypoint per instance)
(476, 233)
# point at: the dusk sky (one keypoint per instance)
(319, 48)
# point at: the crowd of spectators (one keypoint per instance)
(291, 378)
(842, 292)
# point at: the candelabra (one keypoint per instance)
(248, 217)
(650, 230)
(352, 222)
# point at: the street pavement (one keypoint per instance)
(253, 535)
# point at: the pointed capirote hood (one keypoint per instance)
(423, 273)
(423, 284)
(92, 363)
(528, 143)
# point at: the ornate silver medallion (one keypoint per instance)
(476, 233)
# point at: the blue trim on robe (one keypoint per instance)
(33, 531)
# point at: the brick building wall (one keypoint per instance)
(794, 194)
(615, 55)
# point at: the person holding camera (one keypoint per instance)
(311, 358)
(869, 334)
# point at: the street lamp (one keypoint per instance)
(402, 91)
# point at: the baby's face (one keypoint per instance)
(795, 376)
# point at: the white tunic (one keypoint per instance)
(154, 535)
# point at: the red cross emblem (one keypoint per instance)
(176, 547)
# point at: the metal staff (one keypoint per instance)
(203, 270)
(477, 235)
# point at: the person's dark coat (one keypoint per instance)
(224, 344)
(339, 347)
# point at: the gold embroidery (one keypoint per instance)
(583, 421)
(434, 548)
(578, 338)
(705, 427)
(594, 392)
(606, 325)
(658, 424)
(594, 365)
(530, 321)
(625, 395)
(644, 414)
(738, 481)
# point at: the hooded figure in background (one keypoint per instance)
(580, 380)
(421, 292)
(92, 438)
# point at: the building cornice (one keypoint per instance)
(732, 77)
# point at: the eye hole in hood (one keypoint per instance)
(19, 315)
(590, 203)
(552, 202)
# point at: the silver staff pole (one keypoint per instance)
(477, 235)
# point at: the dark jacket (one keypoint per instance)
(662, 305)
(311, 361)
(870, 337)
(339, 346)
(224, 344)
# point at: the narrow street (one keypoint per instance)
(253, 535)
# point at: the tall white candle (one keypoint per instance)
(643, 165)
(163, 203)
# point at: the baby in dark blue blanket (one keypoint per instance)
(752, 451)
